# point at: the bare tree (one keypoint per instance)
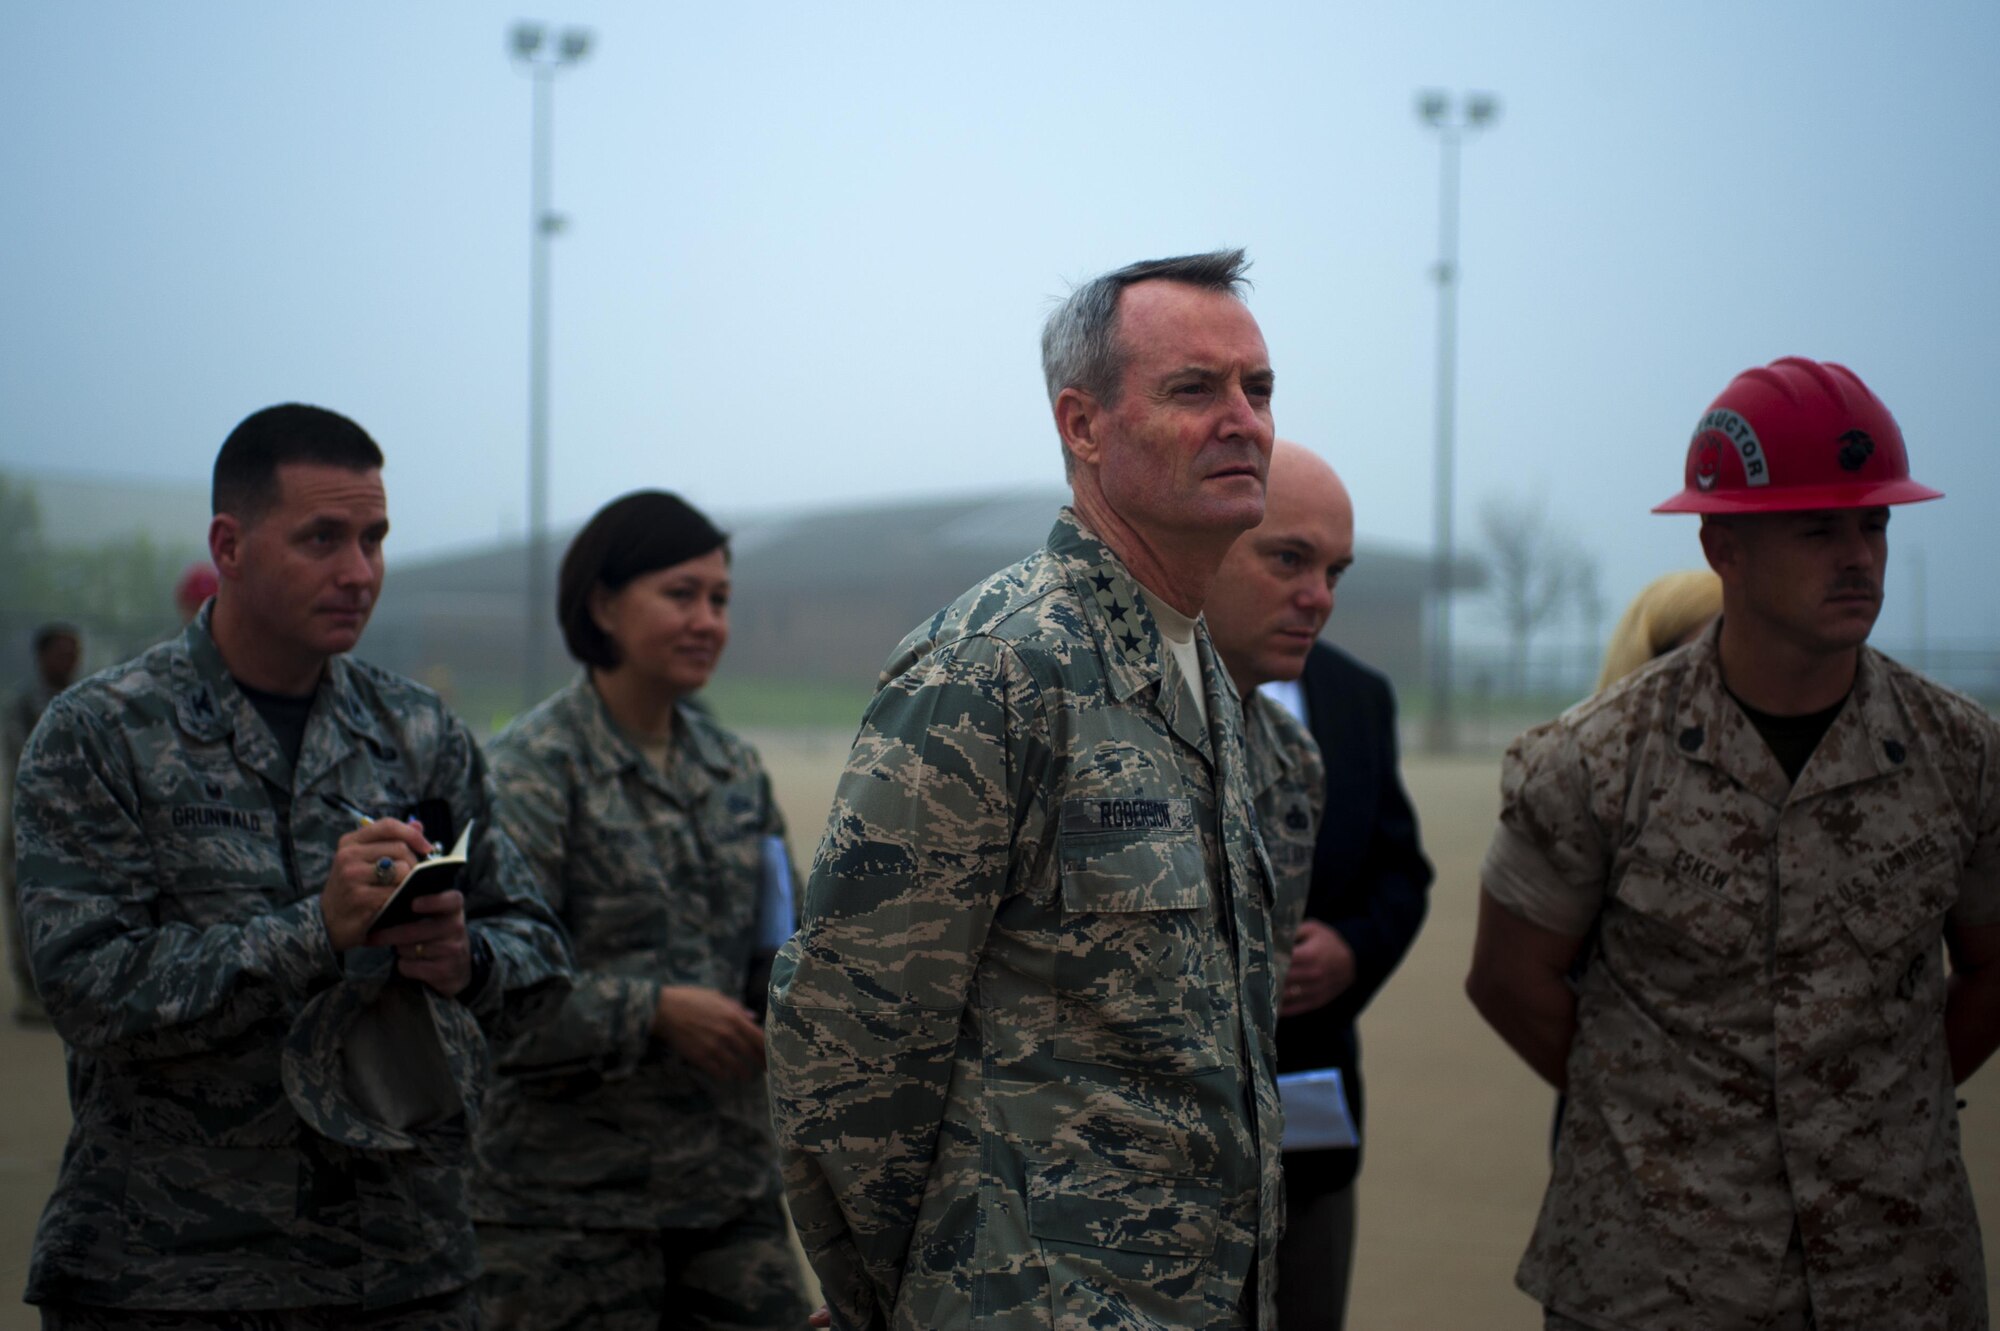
(1539, 570)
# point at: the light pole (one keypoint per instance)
(541, 56)
(1474, 111)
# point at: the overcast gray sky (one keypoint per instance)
(811, 245)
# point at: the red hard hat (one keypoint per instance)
(197, 584)
(1796, 434)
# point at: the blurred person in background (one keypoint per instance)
(197, 583)
(58, 652)
(271, 1097)
(1021, 1044)
(1352, 881)
(1669, 612)
(627, 1174)
(1784, 849)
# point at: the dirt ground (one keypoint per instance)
(1457, 1130)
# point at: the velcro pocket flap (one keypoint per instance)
(1122, 872)
(1881, 915)
(1686, 907)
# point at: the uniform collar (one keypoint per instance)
(695, 757)
(1868, 739)
(1128, 638)
(1267, 758)
(210, 706)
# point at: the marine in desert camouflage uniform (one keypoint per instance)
(626, 1178)
(1021, 1044)
(196, 911)
(1779, 835)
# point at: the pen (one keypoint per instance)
(354, 810)
(348, 807)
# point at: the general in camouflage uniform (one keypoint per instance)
(1014, 1042)
(1021, 1043)
(271, 1118)
(1776, 854)
(597, 1134)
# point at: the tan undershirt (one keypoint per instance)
(1178, 630)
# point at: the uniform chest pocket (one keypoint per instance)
(219, 872)
(1138, 949)
(1880, 916)
(1685, 909)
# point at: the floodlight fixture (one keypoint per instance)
(1475, 111)
(541, 54)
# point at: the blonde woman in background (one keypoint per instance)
(1670, 612)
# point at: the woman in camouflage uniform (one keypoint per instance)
(627, 1175)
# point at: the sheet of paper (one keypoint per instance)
(1316, 1117)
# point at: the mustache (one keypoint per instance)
(1857, 583)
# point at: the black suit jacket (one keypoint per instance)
(1370, 881)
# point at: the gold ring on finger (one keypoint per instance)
(420, 952)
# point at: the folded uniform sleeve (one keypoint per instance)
(868, 997)
(1549, 859)
(604, 1024)
(116, 979)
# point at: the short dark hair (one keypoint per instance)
(633, 535)
(246, 470)
(1080, 340)
(1080, 347)
(48, 633)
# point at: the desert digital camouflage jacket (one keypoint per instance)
(591, 1122)
(1021, 1044)
(1760, 1027)
(171, 863)
(1287, 781)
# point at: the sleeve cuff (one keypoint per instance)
(292, 947)
(634, 1033)
(1519, 876)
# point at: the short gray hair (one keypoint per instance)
(1080, 340)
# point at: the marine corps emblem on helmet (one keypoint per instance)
(1855, 448)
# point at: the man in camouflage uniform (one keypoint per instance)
(1352, 876)
(1773, 837)
(1021, 1044)
(1271, 598)
(271, 1104)
(58, 653)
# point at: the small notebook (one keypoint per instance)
(1316, 1117)
(438, 873)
